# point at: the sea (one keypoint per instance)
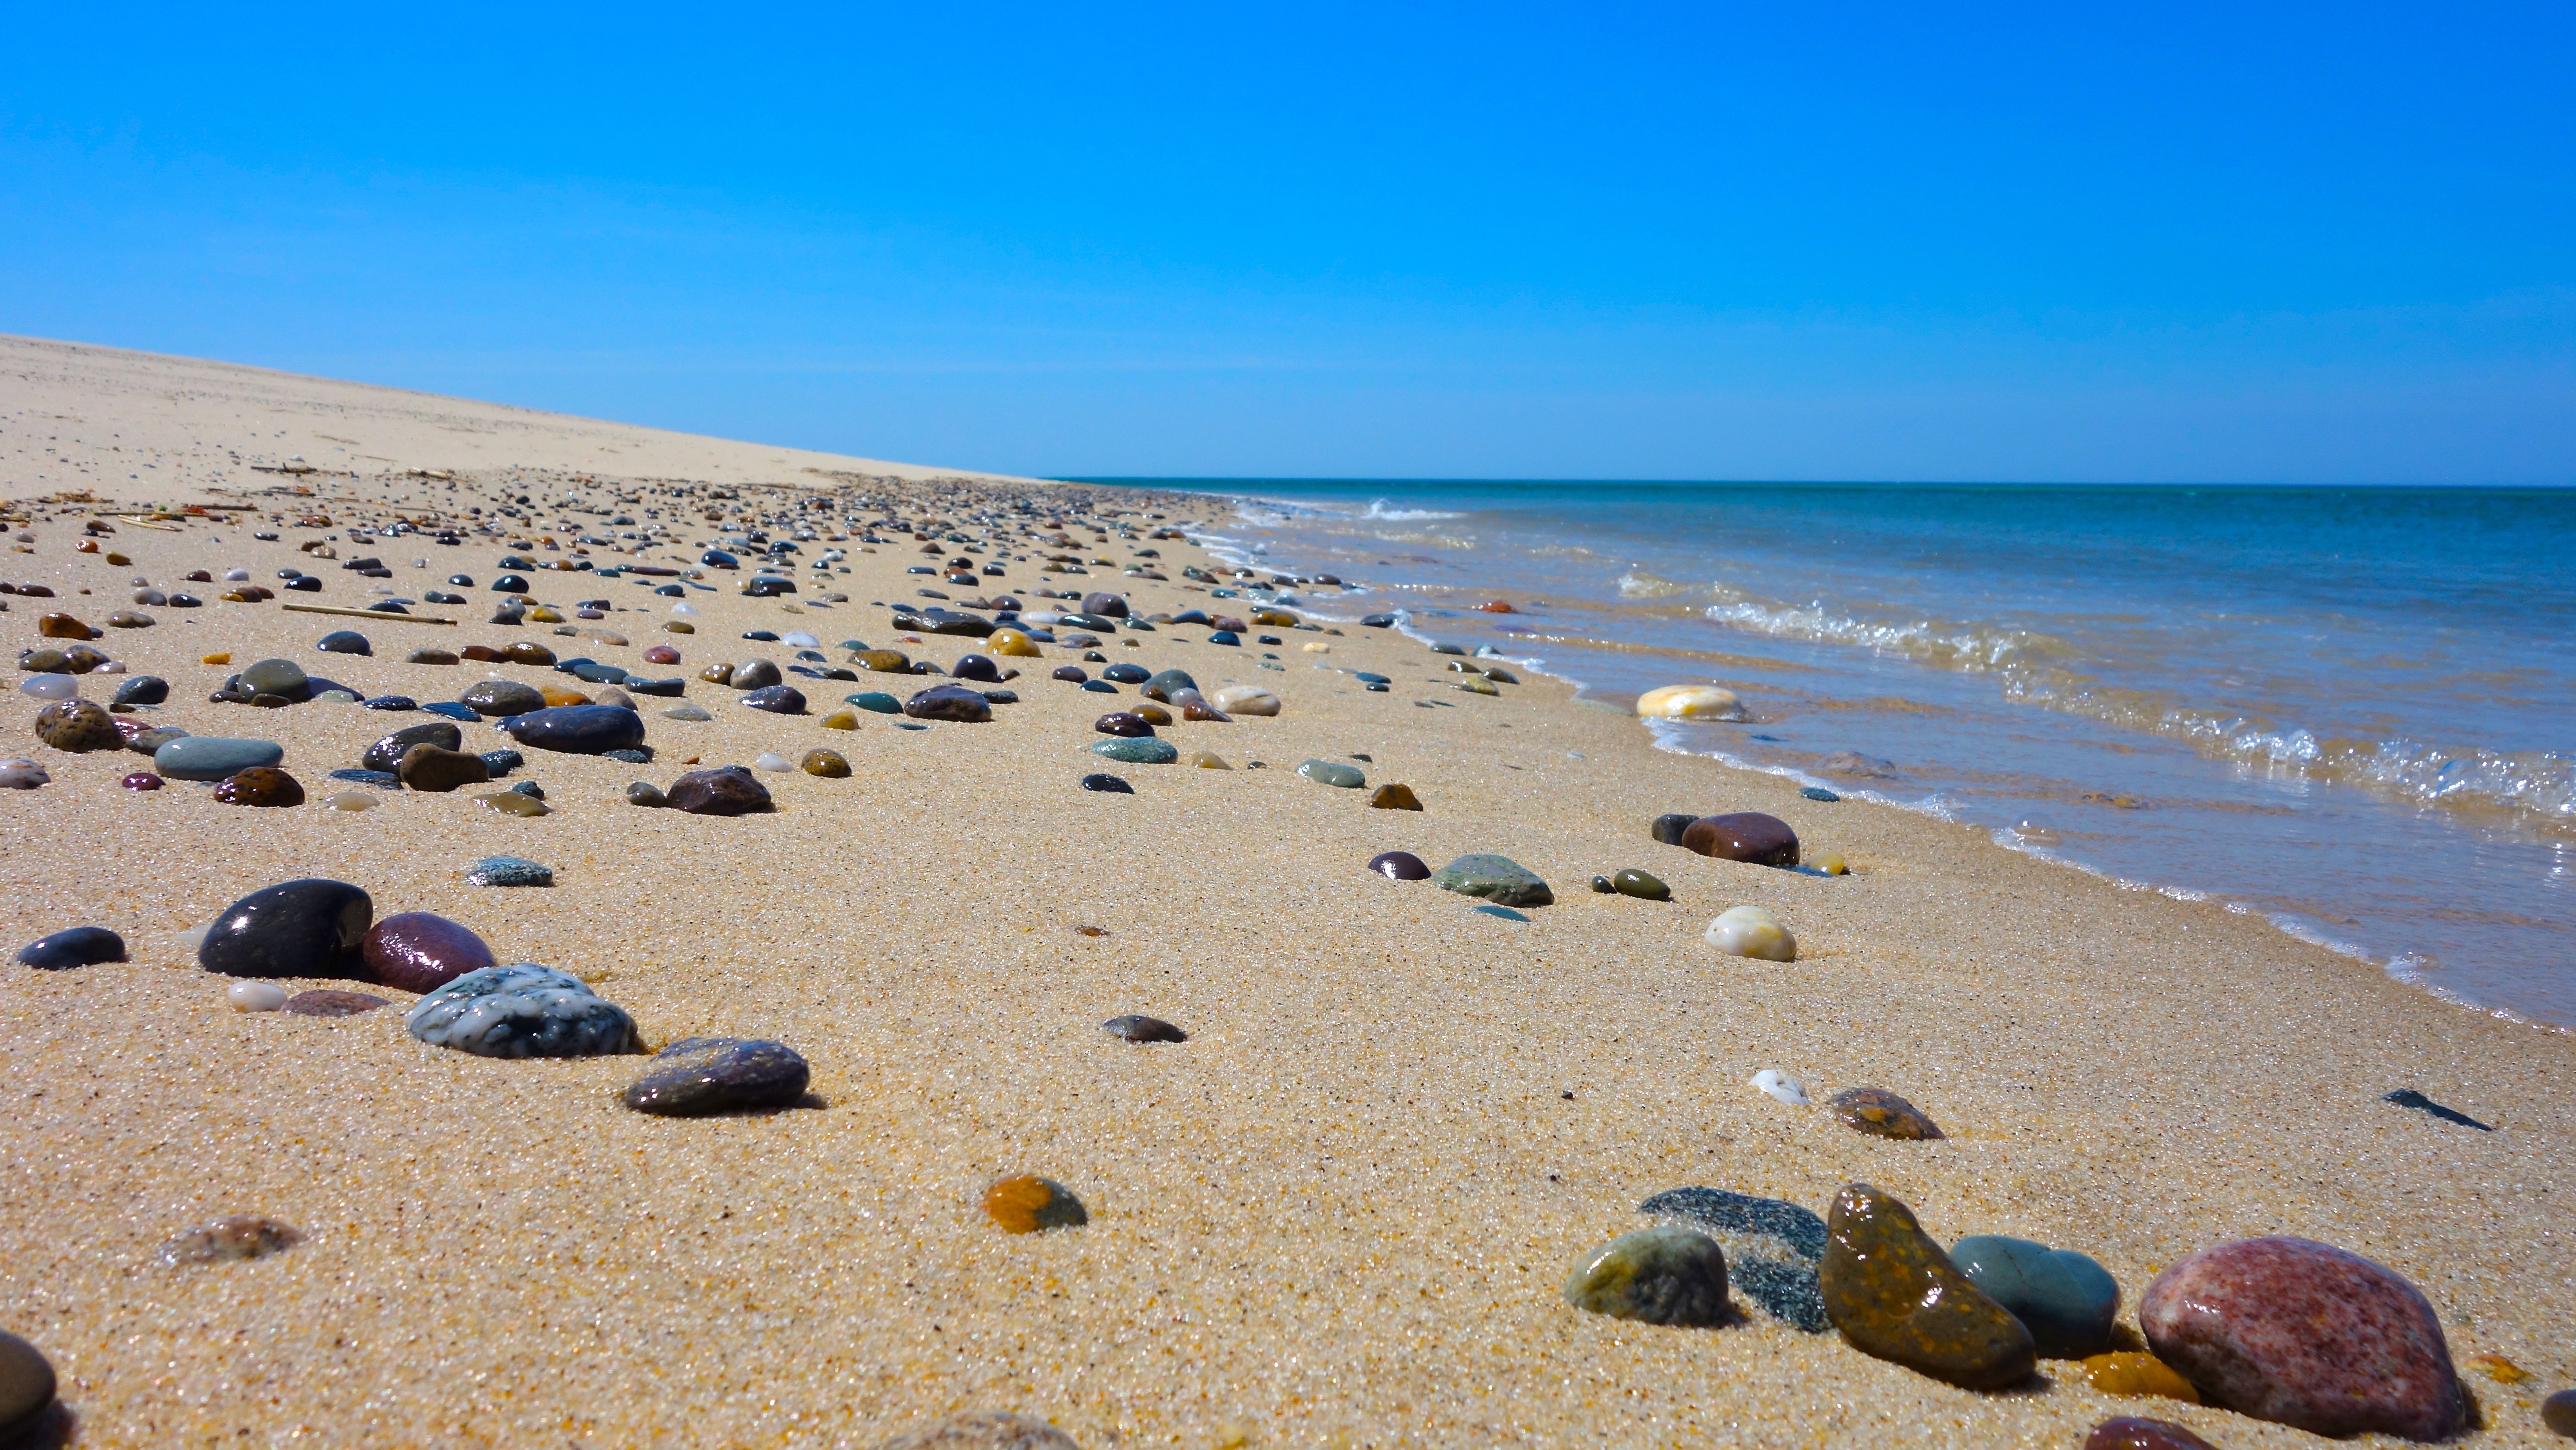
(2350, 711)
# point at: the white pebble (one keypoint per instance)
(771, 760)
(49, 687)
(682, 609)
(1690, 702)
(112, 667)
(801, 639)
(255, 996)
(1245, 700)
(236, 575)
(22, 775)
(1749, 931)
(1781, 1086)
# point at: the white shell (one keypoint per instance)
(255, 996)
(1782, 1086)
(1690, 702)
(1749, 931)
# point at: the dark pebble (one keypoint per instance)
(448, 709)
(1070, 674)
(727, 791)
(387, 753)
(777, 700)
(501, 762)
(344, 642)
(1399, 866)
(142, 690)
(1642, 885)
(700, 1075)
(2136, 1432)
(1818, 793)
(1748, 836)
(576, 729)
(1102, 780)
(26, 1391)
(261, 785)
(311, 927)
(1123, 723)
(646, 793)
(415, 951)
(426, 767)
(1881, 1114)
(502, 697)
(393, 703)
(78, 726)
(949, 702)
(79, 946)
(1669, 828)
(1134, 1028)
(2558, 1412)
(977, 667)
(1894, 1293)
(1666, 1275)
(141, 780)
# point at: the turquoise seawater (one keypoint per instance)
(2351, 710)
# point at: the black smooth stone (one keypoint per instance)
(142, 690)
(697, 1076)
(949, 702)
(976, 667)
(307, 928)
(1668, 828)
(79, 946)
(387, 753)
(1071, 674)
(768, 586)
(1100, 687)
(719, 559)
(502, 762)
(1378, 621)
(381, 779)
(1399, 866)
(344, 642)
(461, 581)
(1127, 674)
(1136, 1028)
(393, 702)
(305, 584)
(577, 729)
(1102, 780)
(765, 636)
(777, 700)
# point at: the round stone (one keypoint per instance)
(777, 700)
(771, 760)
(1105, 782)
(523, 1010)
(305, 928)
(79, 946)
(1690, 702)
(1245, 700)
(26, 1388)
(502, 697)
(697, 1076)
(661, 654)
(1127, 674)
(1135, 1028)
(829, 764)
(344, 642)
(1667, 1275)
(518, 800)
(1399, 866)
(415, 951)
(645, 793)
(2558, 1412)
(427, 767)
(1333, 773)
(140, 780)
(49, 687)
(728, 791)
(142, 690)
(1208, 760)
(275, 677)
(1070, 674)
(1139, 751)
(840, 720)
(876, 702)
(1750, 931)
(260, 786)
(2067, 1301)
(22, 775)
(577, 729)
(255, 996)
(949, 702)
(1028, 1203)
(976, 667)
(1748, 836)
(387, 753)
(78, 726)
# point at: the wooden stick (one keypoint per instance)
(364, 613)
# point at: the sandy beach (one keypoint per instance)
(1339, 1214)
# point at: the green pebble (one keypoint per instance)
(876, 700)
(1668, 1275)
(1642, 885)
(1142, 750)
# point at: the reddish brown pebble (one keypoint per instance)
(142, 780)
(1195, 710)
(63, 626)
(260, 785)
(2558, 1412)
(2136, 1432)
(416, 951)
(1399, 866)
(480, 653)
(1881, 1113)
(1748, 836)
(78, 726)
(2308, 1335)
(1123, 723)
(427, 767)
(661, 654)
(327, 1003)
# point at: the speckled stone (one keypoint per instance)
(78, 726)
(1498, 879)
(305, 928)
(697, 1076)
(1028, 1203)
(78, 946)
(228, 1240)
(2066, 1300)
(577, 729)
(1748, 836)
(1894, 1294)
(523, 1010)
(2136, 1432)
(1399, 866)
(510, 871)
(983, 1430)
(1772, 1248)
(260, 786)
(1666, 1275)
(1137, 1028)
(1881, 1114)
(415, 951)
(324, 1002)
(730, 790)
(1142, 751)
(2307, 1335)
(26, 1388)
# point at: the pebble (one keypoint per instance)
(983, 1430)
(344, 642)
(1123, 723)
(387, 753)
(2558, 1412)
(1395, 797)
(1162, 685)
(229, 1240)
(140, 780)
(415, 951)
(255, 996)
(1070, 674)
(510, 871)
(515, 801)
(754, 674)
(63, 626)
(49, 687)
(1136, 1028)
(1772, 1248)
(976, 667)
(949, 702)
(149, 742)
(1399, 866)
(1154, 715)
(1028, 1203)
(883, 661)
(2130, 1374)
(1781, 1087)
(1012, 644)
(579, 729)
(79, 946)
(1333, 773)
(1137, 751)
(1669, 828)
(26, 1389)
(450, 710)
(697, 1076)
(877, 702)
(212, 757)
(686, 712)
(2136, 1432)
(1690, 702)
(142, 690)
(829, 764)
(772, 761)
(1818, 793)
(1665, 1275)
(1882, 1114)
(522, 1010)
(275, 677)
(1894, 1294)
(1208, 760)
(1104, 781)
(1640, 884)
(2065, 1299)
(726, 791)
(2307, 1335)
(78, 726)
(310, 927)
(501, 762)
(1748, 836)
(1245, 700)
(1127, 674)
(260, 786)
(1750, 931)
(393, 703)
(1852, 762)
(324, 1002)
(502, 698)
(22, 775)
(1497, 879)
(428, 767)
(645, 793)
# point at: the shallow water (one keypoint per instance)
(2346, 709)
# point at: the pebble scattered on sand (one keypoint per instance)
(1749, 836)
(26, 1388)
(1772, 1247)
(1497, 879)
(1690, 702)
(2134, 1432)
(418, 951)
(255, 996)
(1881, 1114)
(305, 928)
(79, 946)
(1893, 1293)
(1028, 1204)
(1667, 1275)
(698, 1076)
(1751, 931)
(1135, 1028)
(523, 1010)
(1399, 866)
(2065, 1299)
(1781, 1087)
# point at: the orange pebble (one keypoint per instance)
(86, 546)
(2130, 1374)
(221, 659)
(1028, 1203)
(557, 695)
(2500, 1369)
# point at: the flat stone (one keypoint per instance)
(949, 702)
(691, 713)
(227, 1240)
(1028, 1203)
(753, 674)
(310, 927)
(877, 702)
(516, 801)
(1333, 773)
(275, 677)
(1893, 1293)
(1399, 866)
(1123, 723)
(777, 700)
(2066, 1300)
(2308, 1335)
(344, 642)
(426, 767)
(1163, 684)
(149, 742)
(1137, 1028)
(78, 946)
(1665, 1275)
(22, 775)
(1690, 702)
(728, 791)
(426, 656)
(1882, 1114)
(1143, 751)
(78, 726)
(700, 1075)
(510, 871)
(415, 951)
(260, 786)
(1772, 1248)
(1643, 885)
(502, 697)
(1818, 793)
(2136, 1432)
(1103, 781)
(323, 1002)
(1245, 700)
(1498, 879)
(1395, 797)
(1852, 762)
(387, 753)
(523, 1010)
(1748, 836)
(983, 1430)
(26, 1389)
(380, 779)
(576, 729)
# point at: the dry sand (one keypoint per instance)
(1339, 1215)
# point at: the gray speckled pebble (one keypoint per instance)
(1498, 879)
(1772, 1247)
(700, 1075)
(522, 1010)
(1141, 750)
(510, 871)
(1668, 1275)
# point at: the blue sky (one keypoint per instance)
(2175, 243)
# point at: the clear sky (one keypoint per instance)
(1895, 242)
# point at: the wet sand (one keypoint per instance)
(1338, 1215)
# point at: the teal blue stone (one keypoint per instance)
(2065, 1299)
(510, 871)
(1143, 750)
(212, 757)
(876, 700)
(1333, 773)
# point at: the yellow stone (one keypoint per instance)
(1830, 862)
(1274, 618)
(1014, 644)
(222, 659)
(1154, 715)
(841, 720)
(511, 803)
(829, 764)
(2500, 1369)
(680, 626)
(1690, 702)
(1209, 760)
(1476, 687)
(542, 615)
(1317, 649)
(558, 695)
(2130, 1374)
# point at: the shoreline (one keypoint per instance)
(1338, 1215)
